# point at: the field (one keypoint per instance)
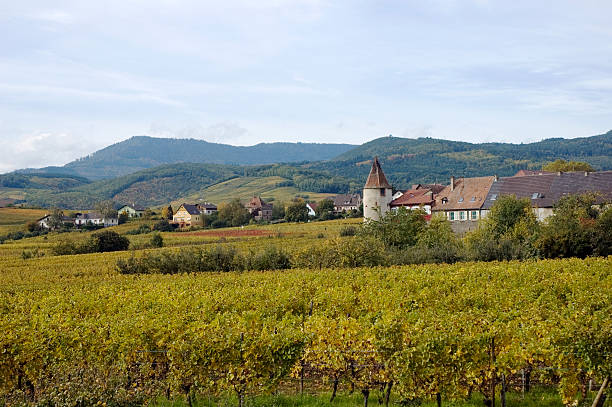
(245, 188)
(73, 328)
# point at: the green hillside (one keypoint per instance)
(138, 153)
(178, 182)
(407, 161)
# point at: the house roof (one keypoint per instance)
(257, 203)
(134, 207)
(190, 208)
(377, 178)
(546, 189)
(207, 205)
(535, 187)
(523, 173)
(347, 200)
(313, 205)
(468, 193)
(414, 197)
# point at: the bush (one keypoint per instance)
(348, 231)
(142, 229)
(106, 241)
(163, 226)
(157, 240)
(271, 258)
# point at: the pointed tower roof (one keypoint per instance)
(377, 178)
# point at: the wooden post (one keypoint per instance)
(600, 398)
(502, 395)
(439, 399)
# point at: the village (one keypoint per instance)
(463, 201)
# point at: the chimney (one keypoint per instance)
(586, 173)
(452, 183)
(495, 178)
(558, 173)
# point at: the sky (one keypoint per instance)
(76, 76)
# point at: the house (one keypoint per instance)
(187, 215)
(207, 208)
(347, 202)
(312, 209)
(96, 219)
(545, 190)
(259, 209)
(377, 193)
(133, 211)
(523, 173)
(462, 202)
(415, 199)
(44, 221)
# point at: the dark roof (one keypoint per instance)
(535, 187)
(191, 209)
(347, 200)
(207, 205)
(546, 189)
(377, 178)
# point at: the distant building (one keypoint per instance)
(44, 221)
(347, 202)
(207, 208)
(377, 193)
(133, 211)
(96, 219)
(415, 199)
(259, 209)
(312, 209)
(187, 215)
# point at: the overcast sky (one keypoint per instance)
(76, 76)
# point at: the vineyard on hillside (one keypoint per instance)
(75, 331)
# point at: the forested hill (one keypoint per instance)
(408, 161)
(142, 152)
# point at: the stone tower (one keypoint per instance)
(377, 193)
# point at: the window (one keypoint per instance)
(535, 195)
(462, 215)
(382, 192)
(474, 215)
(451, 216)
(473, 199)
(460, 199)
(493, 197)
(444, 201)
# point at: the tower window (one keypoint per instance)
(382, 192)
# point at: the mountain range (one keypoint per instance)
(153, 171)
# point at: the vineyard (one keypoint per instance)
(75, 331)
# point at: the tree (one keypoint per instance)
(107, 241)
(234, 213)
(297, 211)
(123, 217)
(569, 231)
(398, 228)
(508, 232)
(56, 220)
(439, 242)
(167, 212)
(603, 234)
(567, 166)
(278, 210)
(325, 210)
(107, 209)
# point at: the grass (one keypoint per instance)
(536, 398)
